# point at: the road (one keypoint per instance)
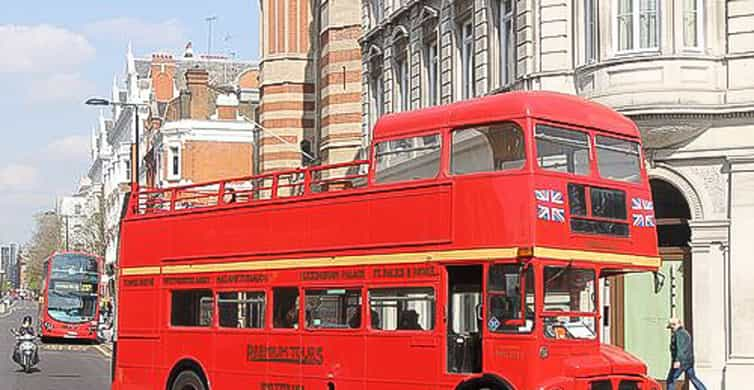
(62, 366)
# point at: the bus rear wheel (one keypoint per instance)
(188, 380)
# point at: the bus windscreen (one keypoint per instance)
(73, 289)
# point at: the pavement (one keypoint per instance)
(62, 366)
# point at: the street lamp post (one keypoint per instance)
(135, 146)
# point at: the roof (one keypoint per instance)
(221, 71)
(552, 106)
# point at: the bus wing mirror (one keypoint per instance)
(659, 281)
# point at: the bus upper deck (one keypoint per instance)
(534, 171)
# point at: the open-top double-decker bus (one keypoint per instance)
(465, 253)
(69, 300)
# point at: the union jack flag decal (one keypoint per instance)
(547, 200)
(643, 215)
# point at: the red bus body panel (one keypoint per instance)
(374, 236)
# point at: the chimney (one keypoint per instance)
(197, 81)
(163, 77)
(227, 107)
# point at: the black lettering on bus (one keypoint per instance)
(244, 278)
(280, 386)
(142, 282)
(309, 356)
(332, 275)
(186, 280)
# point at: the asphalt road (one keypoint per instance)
(62, 366)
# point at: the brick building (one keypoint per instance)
(310, 75)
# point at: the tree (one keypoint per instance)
(44, 242)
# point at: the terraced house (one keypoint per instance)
(680, 68)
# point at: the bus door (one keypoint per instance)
(464, 316)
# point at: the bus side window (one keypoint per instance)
(191, 308)
(402, 308)
(333, 308)
(498, 147)
(285, 305)
(241, 309)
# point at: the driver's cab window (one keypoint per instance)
(504, 298)
(570, 303)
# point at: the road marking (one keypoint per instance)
(103, 351)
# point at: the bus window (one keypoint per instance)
(402, 308)
(570, 291)
(333, 308)
(618, 159)
(285, 307)
(498, 147)
(562, 150)
(191, 308)
(241, 309)
(408, 159)
(504, 296)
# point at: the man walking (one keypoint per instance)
(682, 353)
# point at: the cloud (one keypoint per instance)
(168, 34)
(16, 177)
(42, 48)
(69, 148)
(59, 88)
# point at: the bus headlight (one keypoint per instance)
(48, 325)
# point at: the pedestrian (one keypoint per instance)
(682, 354)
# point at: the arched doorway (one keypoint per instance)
(639, 313)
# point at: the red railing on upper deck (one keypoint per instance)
(275, 185)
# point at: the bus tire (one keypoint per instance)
(486, 382)
(188, 380)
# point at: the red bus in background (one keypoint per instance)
(69, 298)
(464, 254)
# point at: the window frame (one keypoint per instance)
(213, 322)
(402, 81)
(591, 31)
(450, 143)
(535, 158)
(174, 157)
(642, 167)
(270, 320)
(636, 13)
(700, 14)
(532, 267)
(367, 319)
(596, 314)
(266, 321)
(431, 64)
(376, 91)
(318, 287)
(466, 61)
(506, 71)
(440, 133)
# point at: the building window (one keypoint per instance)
(692, 18)
(127, 163)
(174, 159)
(507, 42)
(376, 93)
(467, 60)
(590, 31)
(432, 69)
(402, 84)
(378, 11)
(637, 25)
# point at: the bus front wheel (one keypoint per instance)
(188, 380)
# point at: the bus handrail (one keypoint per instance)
(289, 183)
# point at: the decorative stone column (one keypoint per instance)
(709, 248)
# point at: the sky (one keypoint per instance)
(55, 54)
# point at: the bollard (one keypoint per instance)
(2, 308)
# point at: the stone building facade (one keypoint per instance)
(310, 76)
(680, 69)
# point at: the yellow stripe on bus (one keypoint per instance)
(395, 258)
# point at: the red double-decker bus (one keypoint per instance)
(466, 253)
(69, 298)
